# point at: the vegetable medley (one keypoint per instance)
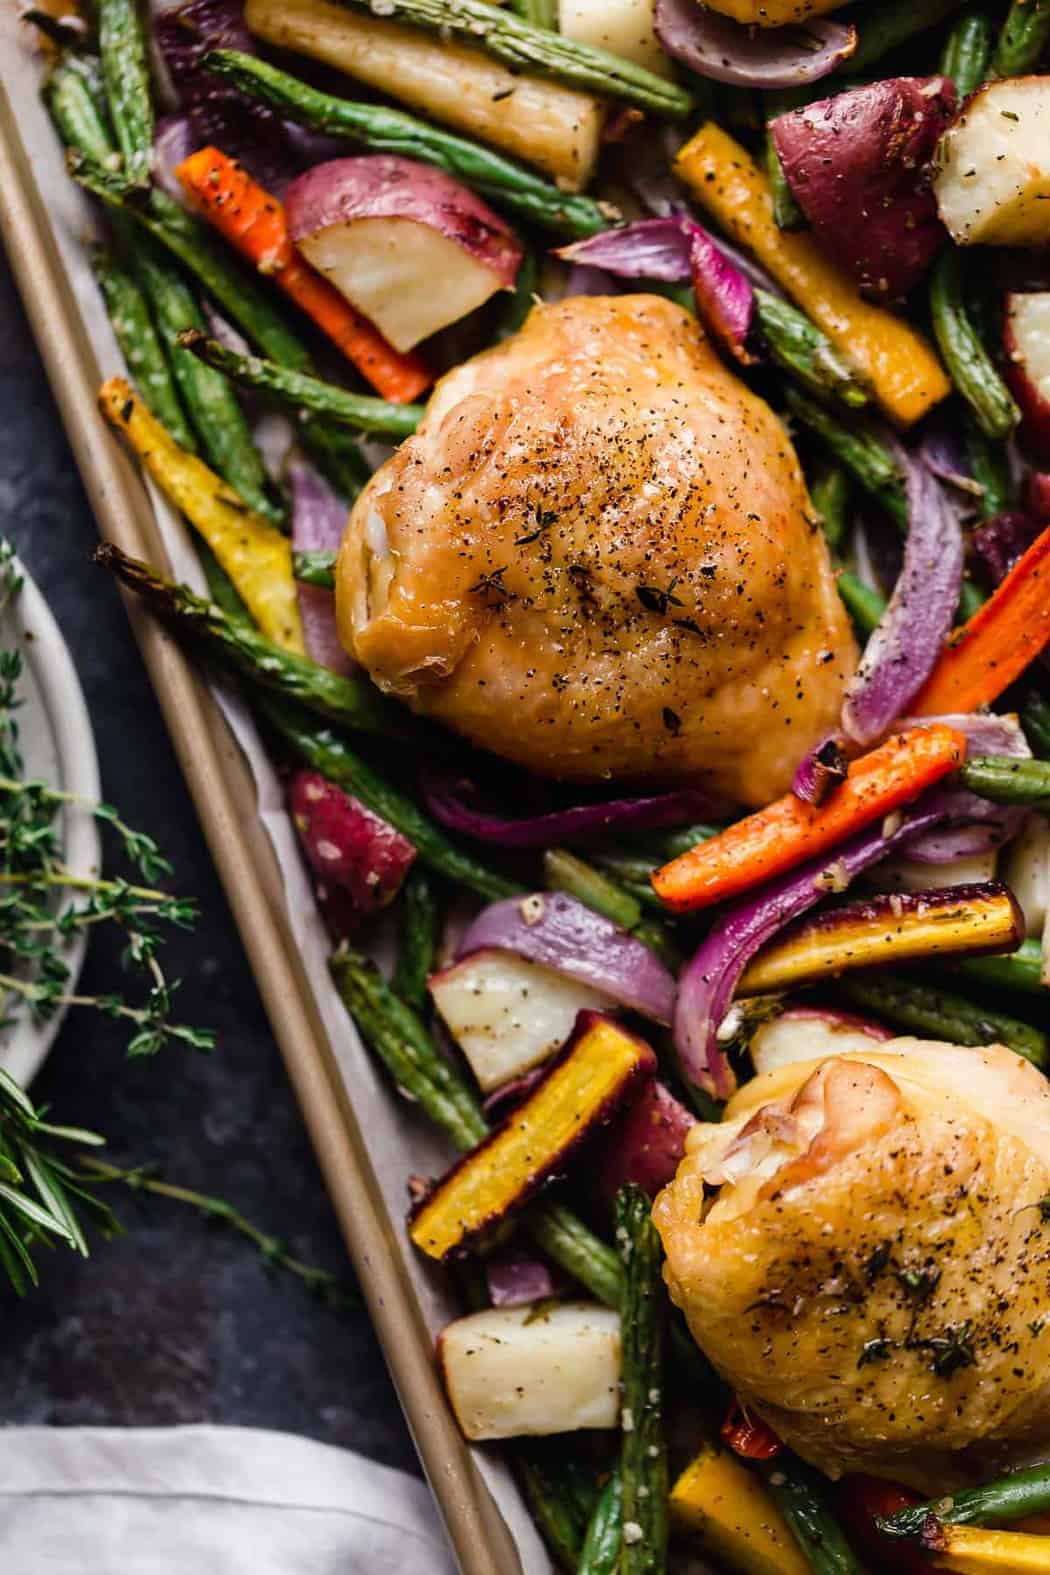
(618, 439)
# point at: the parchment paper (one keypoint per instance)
(398, 1143)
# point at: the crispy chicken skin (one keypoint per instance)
(597, 558)
(859, 1249)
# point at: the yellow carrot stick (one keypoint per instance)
(900, 367)
(257, 558)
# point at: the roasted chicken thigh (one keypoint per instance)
(862, 1248)
(597, 558)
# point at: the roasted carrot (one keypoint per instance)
(1004, 635)
(787, 832)
(255, 223)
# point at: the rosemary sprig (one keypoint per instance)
(320, 1282)
(40, 1195)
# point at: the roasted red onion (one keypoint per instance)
(451, 800)
(821, 769)
(941, 451)
(673, 249)
(318, 521)
(707, 982)
(900, 654)
(751, 57)
(559, 932)
(515, 1278)
(1002, 540)
(173, 141)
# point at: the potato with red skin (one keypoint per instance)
(645, 1145)
(1026, 339)
(859, 168)
(408, 246)
(347, 846)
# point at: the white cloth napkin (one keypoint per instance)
(207, 1501)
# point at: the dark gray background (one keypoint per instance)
(177, 1320)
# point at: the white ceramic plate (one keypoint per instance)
(59, 748)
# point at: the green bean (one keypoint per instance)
(1023, 38)
(71, 93)
(601, 1548)
(219, 421)
(300, 392)
(881, 28)
(1007, 780)
(552, 1504)
(830, 495)
(417, 938)
(335, 453)
(140, 346)
(929, 1010)
(804, 350)
(1013, 1497)
(383, 130)
(1035, 719)
(519, 303)
(967, 52)
(541, 13)
(221, 588)
(787, 214)
(125, 71)
(859, 450)
(1020, 970)
(189, 243)
(989, 467)
(399, 1038)
(315, 568)
(800, 1494)
(564, 871)
(969, 365)
(239, 647)
(672, 843)
(970, 598)
(643, 1448)
(537, 51)
(564, 1237)
(330, 754)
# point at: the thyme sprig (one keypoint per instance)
(320, 1282)
(43, 905)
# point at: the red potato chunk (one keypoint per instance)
(347, 846)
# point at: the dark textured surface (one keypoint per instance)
(177, 1320)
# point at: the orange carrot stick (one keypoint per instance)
(787, 832)
(997, 644)
(255, 223)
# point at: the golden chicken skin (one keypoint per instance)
(597, 558)
(862, 1248)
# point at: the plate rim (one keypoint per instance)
(45, 651)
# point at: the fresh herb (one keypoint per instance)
(320, 1282)
(43, 905)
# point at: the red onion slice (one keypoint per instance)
(673, 249)
(900, 654)
(449, 800)
(514, 1278)
(556, 930)
(751, 57)
(707, 982)
(821, 769)
(173, 142)
(318, 522)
